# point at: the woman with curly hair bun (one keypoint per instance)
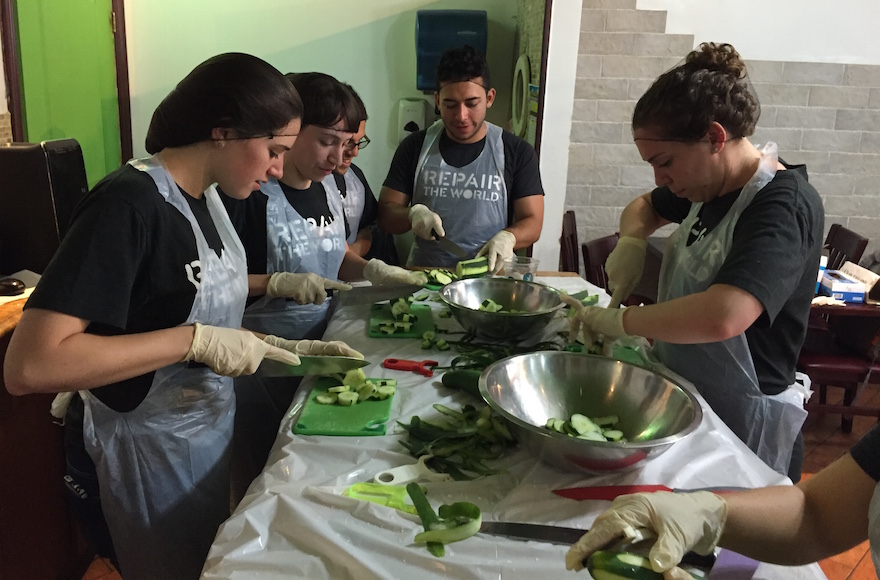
(739, 273)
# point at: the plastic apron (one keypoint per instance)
(352, 203)
(164, 467)
(295, 245)
(874, 528)
(471, 200)
(723, 372)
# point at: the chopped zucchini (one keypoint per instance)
(354, 377)
(607, 565)
(582, 424)
(347, 398)
(339, 389)
(385, 392)
(326, 398)
(472, 268)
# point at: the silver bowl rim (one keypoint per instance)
(535, 429)
(544, 311)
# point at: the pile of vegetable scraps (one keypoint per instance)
(451, 523)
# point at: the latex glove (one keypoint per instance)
(594, 321)
(624, 267)
(232, 352)
(313, 347)
(425, 222)
(682, 522)
(381, 274)
(303, 288)
(498, 249)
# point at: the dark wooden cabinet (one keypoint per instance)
(38, 538)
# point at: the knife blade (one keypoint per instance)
(609, 492)
(449, 245)
(310, 365)
(566, 536)
(372, 294)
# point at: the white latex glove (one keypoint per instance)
(425, 222)
(303, 288)
(381, 274)
(313, 347)
(682, 522)
(624, 268)
(594, 321)
(232, 352)
(498, 249)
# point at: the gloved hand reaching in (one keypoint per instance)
(381, 274)
(425, 222)
(624, 268)
(682, 522)
(498, 249)
(313, 347)
(594, 321)
(232, 352)
(302, 288)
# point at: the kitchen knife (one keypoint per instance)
(609, 492)
(449, 245)
(566, 536)
(372, 294)
(310, 365)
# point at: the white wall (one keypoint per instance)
(3, 108)
(565, 23)
(370, 45)
(840, 31)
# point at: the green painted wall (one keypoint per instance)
(369, 44)
(69, 78)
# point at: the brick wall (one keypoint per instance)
(824, 115)
(5, 128)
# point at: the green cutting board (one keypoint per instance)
(366, 418)
(381, 313)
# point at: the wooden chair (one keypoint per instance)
(595, 253)
(568, 244)
(844, 245)
(821, 357)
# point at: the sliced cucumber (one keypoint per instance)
(606, 565)
(472, 268)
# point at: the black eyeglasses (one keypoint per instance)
(351, 145)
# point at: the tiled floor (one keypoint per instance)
(823, 443)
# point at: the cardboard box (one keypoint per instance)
(866, 277)
(840, 286)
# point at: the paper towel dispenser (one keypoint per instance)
(439, 30)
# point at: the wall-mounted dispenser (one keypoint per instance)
(410, 117)
(439, 30)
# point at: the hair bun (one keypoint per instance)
(722, 58)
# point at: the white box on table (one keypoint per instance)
(840, 286)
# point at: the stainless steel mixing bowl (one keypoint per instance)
(535, 303)
(528, 389)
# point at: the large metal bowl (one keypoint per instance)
(536, 304)
(528, 389)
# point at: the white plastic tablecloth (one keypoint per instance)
(294, 522)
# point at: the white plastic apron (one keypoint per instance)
(295, 245)
(723, 371)
(163, 468)
(874, 528)
(352, 203)
(471, 200)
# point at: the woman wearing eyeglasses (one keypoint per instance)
(361, 207)
(294, 233)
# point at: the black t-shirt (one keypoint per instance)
(866, 452)
(521, 173)
(248, 216)
(371, 205)
(123, 266)
(775, 256)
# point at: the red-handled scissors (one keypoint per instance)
(423, 367)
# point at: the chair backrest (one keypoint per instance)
(568, 244)
(844, 245)
(595, 253)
